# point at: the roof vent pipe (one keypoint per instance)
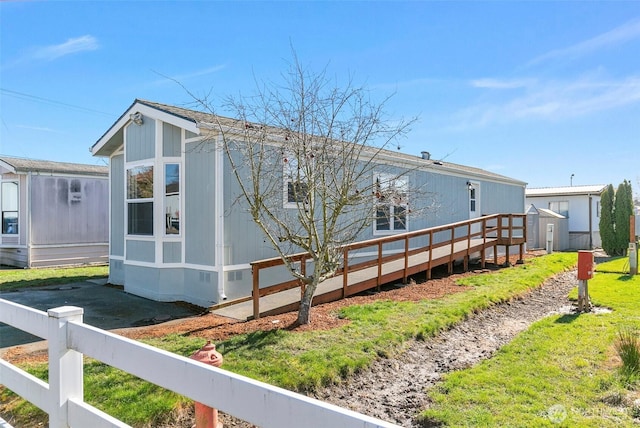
(426, 155)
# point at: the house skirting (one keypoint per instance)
(176, 283)
(13, 256)
(54, 255)
(580, 240)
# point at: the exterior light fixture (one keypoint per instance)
(136, 118)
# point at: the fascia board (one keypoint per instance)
(444, 169)
(146, 111)
(8, 167)
(383, 156)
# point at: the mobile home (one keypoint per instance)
(53, 213)
(178, 233)
(579, 204)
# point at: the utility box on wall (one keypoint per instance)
(585, 265)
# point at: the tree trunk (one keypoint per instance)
(304, 313)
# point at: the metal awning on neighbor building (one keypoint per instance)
(594, 189)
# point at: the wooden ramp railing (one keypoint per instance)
(397, 257)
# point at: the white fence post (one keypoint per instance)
(65, 365)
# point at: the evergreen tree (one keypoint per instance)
(623, 209)
(607, 231)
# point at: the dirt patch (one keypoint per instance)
(423, 364)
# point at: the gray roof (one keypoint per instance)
(192, 115)
(199, 117)
(549, 213)
(22, 165)
(565, 190)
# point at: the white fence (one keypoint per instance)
(69, 339)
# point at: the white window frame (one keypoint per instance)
(2, 208)
(75, 194)
(473, 201)
(558, 206)
(401, 187)
(129, 200)
(167, 214)
(292, 174)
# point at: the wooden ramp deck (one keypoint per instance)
(477, 237)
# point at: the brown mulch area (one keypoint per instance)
(323, 317)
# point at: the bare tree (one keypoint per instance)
(304, 154)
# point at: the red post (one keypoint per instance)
(207, 417)
(586, 266)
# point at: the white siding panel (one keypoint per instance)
(13, 257)
(69, 210)
(141, 251)
(199, 225)
(171, 252)
(171, 140)
(141, 140)
(69, 255)
(117, 205)
(116, 272)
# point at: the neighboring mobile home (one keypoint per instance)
(538, 221)
(579, 204)
(53, 213)
(178, 233)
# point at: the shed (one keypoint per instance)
(537, 221)
(579, 204)
(53, 213)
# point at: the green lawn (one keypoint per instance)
(308, 360)
(20, 278)
(560, 372)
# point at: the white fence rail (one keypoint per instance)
(69, 339)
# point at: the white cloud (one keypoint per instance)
(411, 83)
(199, 73)
(39, 129)
(71, 46)
(54, 52)
(555, 100)
(181, 78)
(619, 35)
(489, 83)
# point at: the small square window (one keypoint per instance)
(560, 207)
(297, 191)
(296, 186)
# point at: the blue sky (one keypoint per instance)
(536, 90)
